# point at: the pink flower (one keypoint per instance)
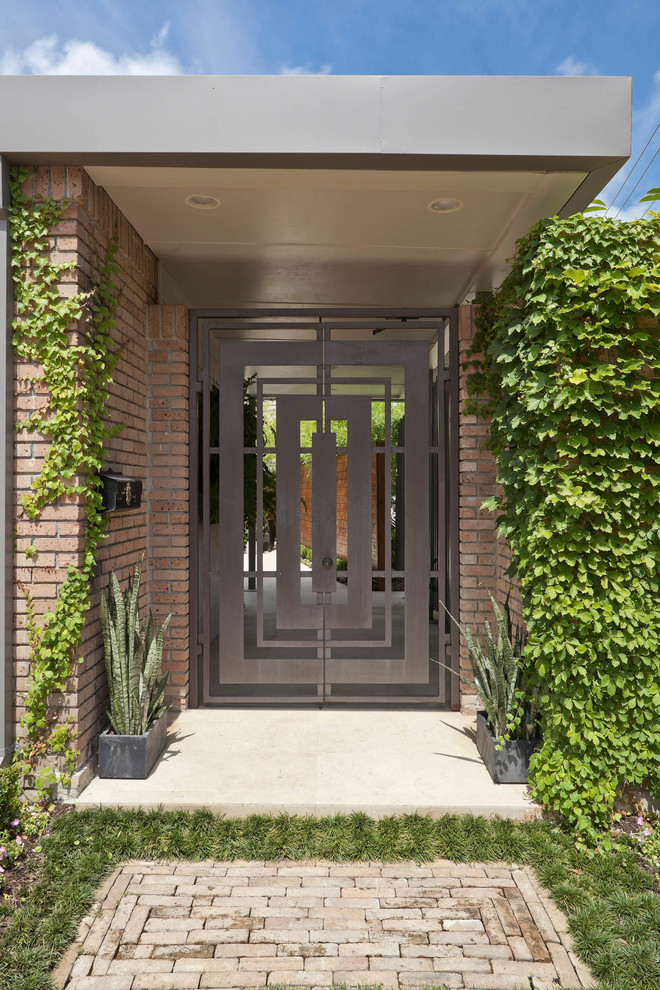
(1, 870)
(647, 831)
(3, 852)
(19, 841)
(14, 823)
(640, 820)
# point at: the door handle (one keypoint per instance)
(327, 562)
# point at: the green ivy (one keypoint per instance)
(570, 374)
(69, 340)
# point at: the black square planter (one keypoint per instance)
(508, 765)
(132, 757)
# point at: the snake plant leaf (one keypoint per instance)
(498, 671)
(133, 659)
(118, 613)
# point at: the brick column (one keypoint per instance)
(168, 489)
(478, 547)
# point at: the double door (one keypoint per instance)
(323, 499)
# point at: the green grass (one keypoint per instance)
(614, 915)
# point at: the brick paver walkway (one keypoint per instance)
(163, 926)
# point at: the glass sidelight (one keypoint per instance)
(323, 507)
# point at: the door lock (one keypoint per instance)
(327, 562)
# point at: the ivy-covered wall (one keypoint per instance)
(571, 375)
(81, 236)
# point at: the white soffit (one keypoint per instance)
(330, 237)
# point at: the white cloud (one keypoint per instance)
(633, 212)
(49, 56)
(616, 192)
(572, 66)
(646, 118)
(305, 70)
(160, 38)
(634, 209)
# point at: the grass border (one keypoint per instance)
(613, 912)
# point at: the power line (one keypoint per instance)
(640, 178)
(629, 174)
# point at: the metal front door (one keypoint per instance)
(333, 435)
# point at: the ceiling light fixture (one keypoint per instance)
(445, 205)
(201, 201)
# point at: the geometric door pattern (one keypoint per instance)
(324, 628)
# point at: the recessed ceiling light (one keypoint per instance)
(445, 205)
(200, 201)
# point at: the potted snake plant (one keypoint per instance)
(136, 684)
(507, 726)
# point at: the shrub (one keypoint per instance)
(10, 794)
(17, 819)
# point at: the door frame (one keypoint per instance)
(200, 318)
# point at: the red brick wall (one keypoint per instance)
(377, 509)
(82, 234)
(168, 489)
(478, 549)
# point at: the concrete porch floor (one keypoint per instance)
(318, 762)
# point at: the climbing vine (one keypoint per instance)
(571, 376)
(65, 345)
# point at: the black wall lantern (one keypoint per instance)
(120, 492)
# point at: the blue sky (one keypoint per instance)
(445, 37)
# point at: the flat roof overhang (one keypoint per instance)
(325, 180)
